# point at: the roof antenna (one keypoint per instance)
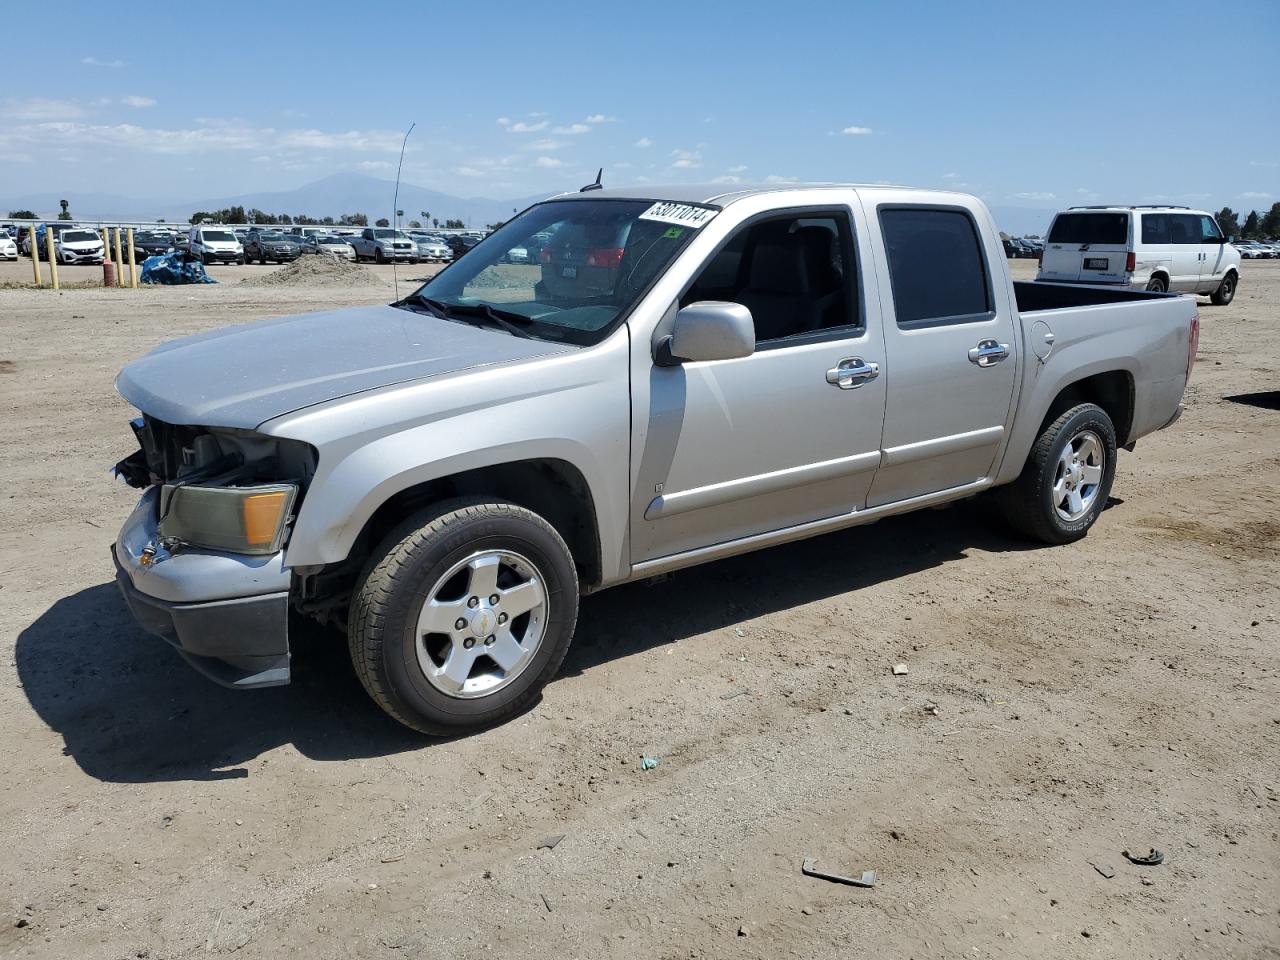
(597, 185)
(395, 215)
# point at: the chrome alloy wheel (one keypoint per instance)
(481, 624)
(1078, 476)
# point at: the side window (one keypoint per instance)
(1209, 232)
(1186, 227)
(796, 274)
(1155, 229)
(936, 265)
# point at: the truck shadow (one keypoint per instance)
(130, 710)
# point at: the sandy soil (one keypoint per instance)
(1123, 692)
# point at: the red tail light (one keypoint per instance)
(544, 255)
(609, 257)
(1131, 262)
(1193, 343)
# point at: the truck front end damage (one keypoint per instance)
(200, 561)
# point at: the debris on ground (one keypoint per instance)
(931, 708)
(173, 268)
(649, 763)
(734, 693)
(1104, 869)
(545, 902)
(1152, 859)
(316, 271)
(810, 869)
(549, 843)
(899, 669)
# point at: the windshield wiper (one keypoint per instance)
(507, 320)
(437, 308)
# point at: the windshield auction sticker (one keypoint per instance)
(684, 214)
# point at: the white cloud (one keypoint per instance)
(573, 129)
(1034, 195)
(623, 165)
(543, 145)
(375, 166)
(644, 142)
(522, 127)
(41, 108)
(1255, 195)
(95, 62)
(774, 178)
(687, 159)
(548, 162)
(504, 121)
(600, 118)
(856, 131)
(950, 176)
(1264, 163)
(385, 141)
(738, 168)
(538, 113)
(136, 101)
(726, 179)
(468, 172)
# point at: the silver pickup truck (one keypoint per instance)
(679, 375)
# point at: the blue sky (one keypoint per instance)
(1023, 103)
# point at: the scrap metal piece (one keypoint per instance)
(734, 693)
(810, 869)
(549, 843)
(1152, 859)
(1104, 869)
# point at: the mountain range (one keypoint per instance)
(357, 193)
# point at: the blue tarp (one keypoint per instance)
(169, 268)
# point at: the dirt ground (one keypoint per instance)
(1120, 693)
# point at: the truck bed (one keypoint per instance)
(1035, 295)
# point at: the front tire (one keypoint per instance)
(1226, 291)
(1067, 478)
(464, 615)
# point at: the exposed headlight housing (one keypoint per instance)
(250, 520)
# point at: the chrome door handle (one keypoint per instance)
(852, 372)
(988, 353)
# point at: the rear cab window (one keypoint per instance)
(936, 266)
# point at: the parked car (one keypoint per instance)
(8, 248)
(306, 244)
(264, 245)
(444, 476)
(384, 244)
(1254, 250)
(335, 247)
(78, 246)
(431, 248)
(460, 243)
(1160, 249)
(149, 244)
(215, 245)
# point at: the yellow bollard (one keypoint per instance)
(35, 257)
(133, 263)
(53, 257)
(119, 261)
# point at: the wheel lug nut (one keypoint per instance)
(493, 600)
(488, 641)
(502, 618)
(459, 624)
(473, 602)
(469, 642)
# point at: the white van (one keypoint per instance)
(1165, 249)
(215, 245)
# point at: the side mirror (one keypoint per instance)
(710, 330)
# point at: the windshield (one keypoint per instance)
(1110, 228)
(331, 240)
(78, 236)
(276, 237)
(388, 233)
(595, 259)
(218, 236)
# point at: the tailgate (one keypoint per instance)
(1087, 246)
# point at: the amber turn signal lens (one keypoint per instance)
(262, 516)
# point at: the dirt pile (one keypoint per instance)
(316, 271)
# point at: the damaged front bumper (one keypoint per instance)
(227, 614)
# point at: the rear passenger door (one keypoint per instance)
(950, 346)
(1187, 256)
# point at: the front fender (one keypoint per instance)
(573, 407)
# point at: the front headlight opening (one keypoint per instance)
(251, 520)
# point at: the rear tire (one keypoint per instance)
(1067, 478)
(427, 577)
(1226, 291)
(1158, 285)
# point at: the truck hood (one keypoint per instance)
(245, 375)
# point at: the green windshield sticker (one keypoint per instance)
(675, 233)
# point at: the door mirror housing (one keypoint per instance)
(710, 330)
